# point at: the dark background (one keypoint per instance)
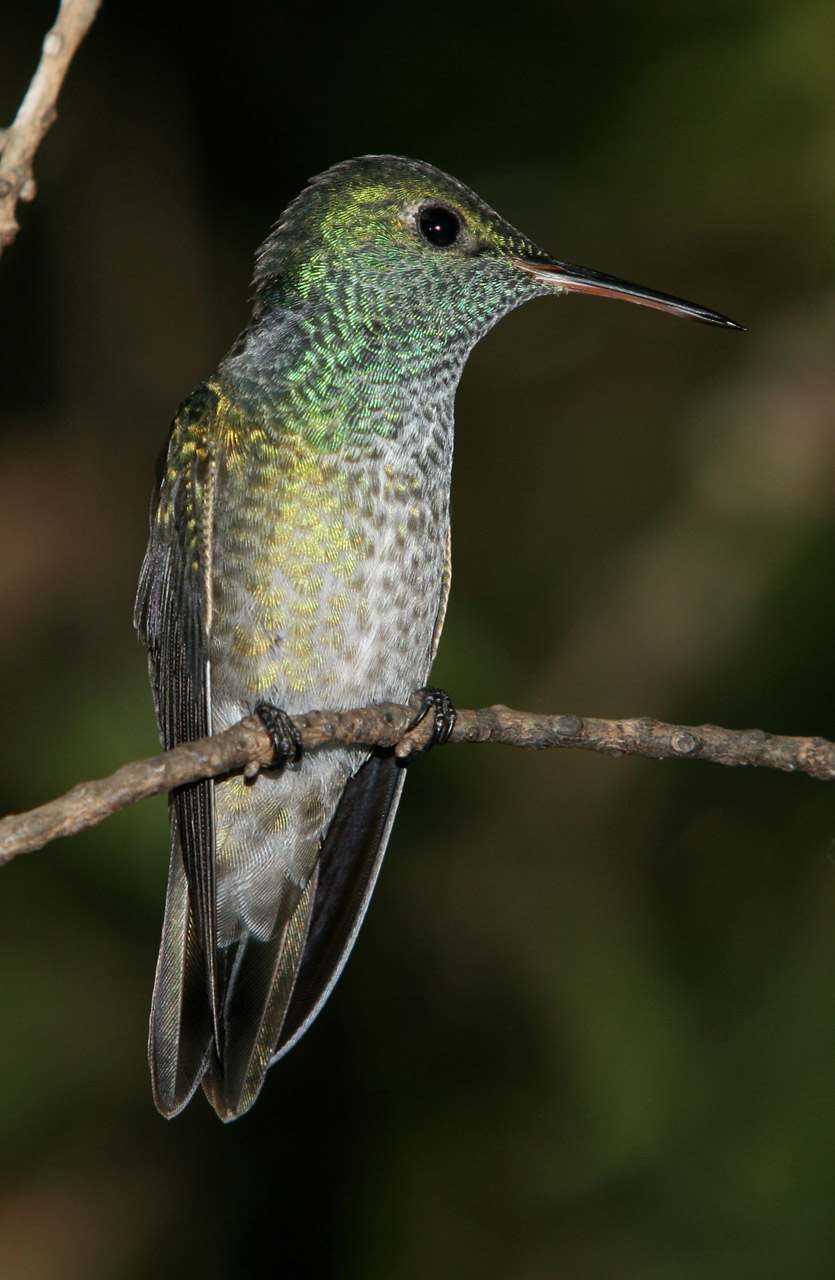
(588, 1029)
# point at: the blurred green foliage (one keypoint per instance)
(588, 1029)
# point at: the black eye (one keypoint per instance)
(441, 227)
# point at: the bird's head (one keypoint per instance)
(384, 240)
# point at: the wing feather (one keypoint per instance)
(173, 608)
(349, 863)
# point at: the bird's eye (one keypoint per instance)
(439, 226)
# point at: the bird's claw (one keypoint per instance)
(440, 705)
(285, 737)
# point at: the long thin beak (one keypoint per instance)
(581, 280)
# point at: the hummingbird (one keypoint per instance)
(299, 558)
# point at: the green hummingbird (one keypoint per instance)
(299, 558)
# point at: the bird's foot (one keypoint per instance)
(285, 737)
(434, 702)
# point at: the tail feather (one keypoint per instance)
(181, 1033)
(255, 999)
(269, 990)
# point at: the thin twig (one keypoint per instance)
(37, 112)
(246, 746)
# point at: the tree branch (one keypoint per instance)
(247, 747)
(37, 111)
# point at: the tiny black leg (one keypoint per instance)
(286, 739)
(443, 714)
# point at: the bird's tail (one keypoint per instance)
(268, 990)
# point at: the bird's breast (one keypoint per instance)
(328, 573)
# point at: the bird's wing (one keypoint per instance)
(173, 617)
(349, 864)
(446, 583)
